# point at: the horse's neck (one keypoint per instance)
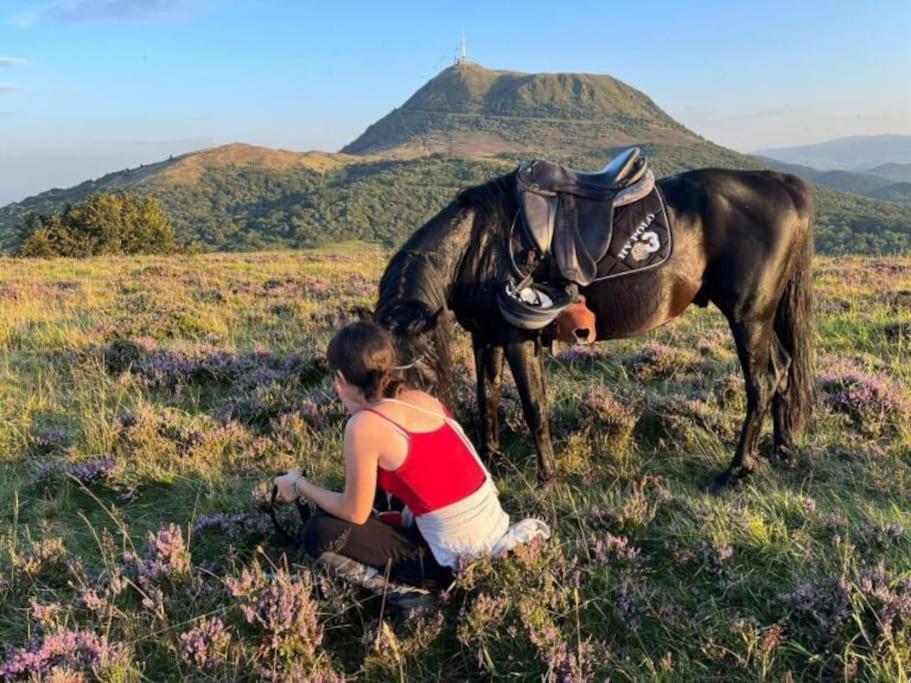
(427, 264)
(444, 241)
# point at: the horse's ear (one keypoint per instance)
(410, 317)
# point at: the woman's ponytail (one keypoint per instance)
(364, 353)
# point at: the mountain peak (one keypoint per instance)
(470, 110)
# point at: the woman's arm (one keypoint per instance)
(355, 503)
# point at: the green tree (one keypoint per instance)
(101, 224)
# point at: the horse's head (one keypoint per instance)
(576, 324)
(413, 327)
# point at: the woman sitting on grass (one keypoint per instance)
(406, 442)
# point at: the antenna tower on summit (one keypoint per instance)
(463, 52)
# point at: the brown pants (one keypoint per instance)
(400, 550)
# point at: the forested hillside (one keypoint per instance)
(463, 127)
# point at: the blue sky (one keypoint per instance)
(90, 86)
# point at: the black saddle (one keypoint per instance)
(624, 170)
(569, 214)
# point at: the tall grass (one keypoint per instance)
(143, 401)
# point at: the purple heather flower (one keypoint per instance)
(282, 606)
(205, 643)
(92, 601)
(87, 471)
(233, 525)
(612, 548)
(577, 354)
(166, 556)
(71, 650)
(652, 354)
(866, 398)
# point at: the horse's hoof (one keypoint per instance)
(547, 479)
(727, 479)
(719, 484)
(784, 455)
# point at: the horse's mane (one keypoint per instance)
(494, 202)
(414, 289)
(423, 268)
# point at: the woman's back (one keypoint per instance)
(438, 466)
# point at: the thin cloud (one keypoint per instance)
(86, 11)
(65, 91)
(11, 89)
(10, 62)
(197, 141)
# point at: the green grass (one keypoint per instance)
(200, 377)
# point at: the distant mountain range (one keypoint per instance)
(892, 171)
(858, 153)
(464, 126)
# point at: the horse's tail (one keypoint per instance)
(794, 328)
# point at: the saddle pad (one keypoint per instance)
(641, 238)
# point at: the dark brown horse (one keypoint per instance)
(743, 241)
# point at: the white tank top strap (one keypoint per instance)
(392, 423)
(412, 405)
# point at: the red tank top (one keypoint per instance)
(438, 470)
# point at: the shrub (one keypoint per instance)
(101, 224)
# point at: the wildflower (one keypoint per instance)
(92, 471)
(487, 612)
(282, 607)
(87, 472)
(45, 615)
(167, 557)
(653, 359)
(771, 638)
(48, 439)
(612, 548)
(576, 354)
(868, 399)
(808, 505)
(92, 601)
(205, 643)
(67, 651)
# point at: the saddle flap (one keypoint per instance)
(539, 213)
(574, 258)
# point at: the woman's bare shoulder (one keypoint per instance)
(364, 421)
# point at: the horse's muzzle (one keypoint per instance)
(576, 324)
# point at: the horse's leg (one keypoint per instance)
(779, 367)
(753, 340)
(488, 359)
(526, 360)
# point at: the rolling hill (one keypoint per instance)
(866, 184)
(464, 126)
(892, 171)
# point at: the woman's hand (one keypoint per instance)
(287, 491)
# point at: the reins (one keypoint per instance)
(303, 510)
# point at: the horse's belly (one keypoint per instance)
(634, 304)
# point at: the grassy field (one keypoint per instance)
(144, 401)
